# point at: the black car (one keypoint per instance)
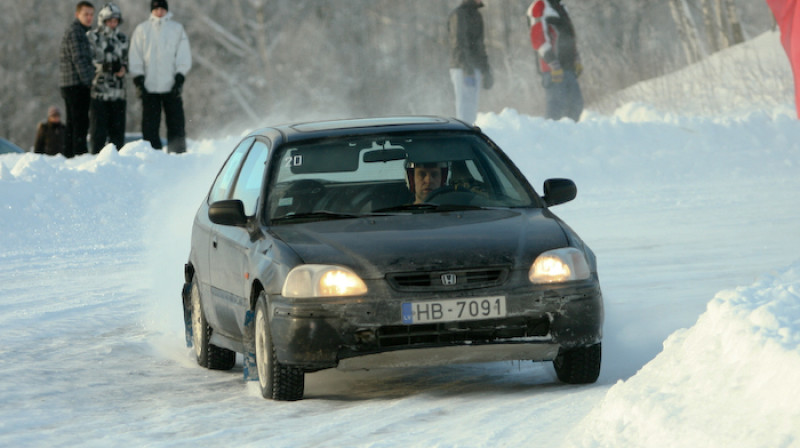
(386, 242)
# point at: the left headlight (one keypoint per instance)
(559, 265)
(318, 280)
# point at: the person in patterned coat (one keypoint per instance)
(77, 72)
(553, 38)
(110, 56)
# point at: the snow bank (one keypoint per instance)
(731, 380)
(738, 79)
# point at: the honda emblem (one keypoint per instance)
(449, 279)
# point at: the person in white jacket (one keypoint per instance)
(158, 60)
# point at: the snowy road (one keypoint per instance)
(90, 318)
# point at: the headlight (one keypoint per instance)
(559, 265)
(318, 280)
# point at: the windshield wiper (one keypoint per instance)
(428, 207)
(314, 216)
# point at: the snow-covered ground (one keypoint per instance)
(694, 220)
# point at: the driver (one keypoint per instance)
(424, 178)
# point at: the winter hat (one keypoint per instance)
(159, 4)
(109, 11)
(53, 111)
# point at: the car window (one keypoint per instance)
(248, 183)
(221, 189)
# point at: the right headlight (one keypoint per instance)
(559, 265)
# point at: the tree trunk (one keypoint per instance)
(686, 30)
(737, 36)
(708, 24)
(722, 22)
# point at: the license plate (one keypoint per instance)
(454, 310)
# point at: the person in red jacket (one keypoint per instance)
(553, 38)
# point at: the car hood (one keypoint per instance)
(375, 245)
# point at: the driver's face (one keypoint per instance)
(425, 181)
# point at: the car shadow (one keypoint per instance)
(494, 379)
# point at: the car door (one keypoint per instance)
(206, 241)
(231, 247)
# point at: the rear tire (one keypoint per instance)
(276, 381)
(208, 355)
(579, 365)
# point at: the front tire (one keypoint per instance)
(208, 355)
(579, 365)
(276, 381)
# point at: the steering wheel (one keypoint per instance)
(305, 193)
(439, 191)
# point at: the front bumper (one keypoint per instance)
(367, 332)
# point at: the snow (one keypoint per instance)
(693, 218)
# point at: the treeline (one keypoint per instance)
(259, 61)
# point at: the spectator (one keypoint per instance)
(160, 58)
(110, 54)
(553, 38)
(469, 63)
(50, 134)
(77, 72)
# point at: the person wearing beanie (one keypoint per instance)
(159, 59)
(77, 72)
(469, 63)
(50, 134)
(110, 55)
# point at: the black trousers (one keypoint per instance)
(76, 102)
(107, 123)
(152, 103)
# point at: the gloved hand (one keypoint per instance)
(139, 83)
(177, 88)
(488, 79)
(557, 75)
(578, 69)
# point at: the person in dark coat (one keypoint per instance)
(553, 38)
(50, 134)
(77, 72)
(469, 63)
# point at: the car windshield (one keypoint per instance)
(410, 173)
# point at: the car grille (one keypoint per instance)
(448, 280)
(460, 332)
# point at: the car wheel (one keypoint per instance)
(578, 365)
(208, 355)
(276, 381)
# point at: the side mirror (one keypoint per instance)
(228, 213)
(559, 191)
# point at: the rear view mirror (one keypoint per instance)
(384, 155)
(559, 191)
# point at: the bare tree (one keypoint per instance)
(687, 30)
(710, 26)
(737, 36)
